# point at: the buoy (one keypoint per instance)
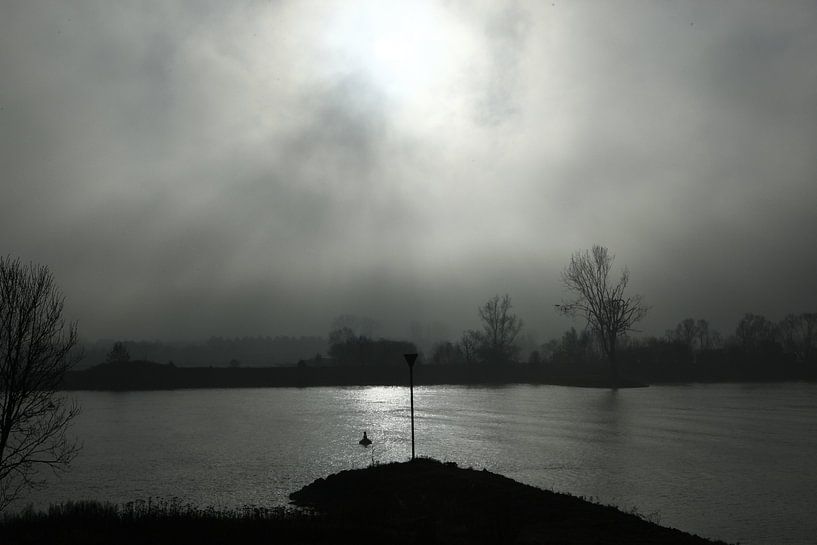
(365, 441)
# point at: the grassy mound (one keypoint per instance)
(426, 501)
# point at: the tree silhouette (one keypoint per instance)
(798, 334)
(36, 349)
(686, 332)
(118, 354)
(601, 300)
(447, 353)
(500, 328)
(468, 344)
(708, 338)
(755, 332)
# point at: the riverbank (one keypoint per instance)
(146, 375)
(422, 501)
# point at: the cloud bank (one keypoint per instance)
(191, 169)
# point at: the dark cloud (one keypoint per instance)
(192, 168)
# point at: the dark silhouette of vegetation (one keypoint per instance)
(685, 353)
(145, 375)
(695, 335)
(602, 353)
(755, 332)
(602, 301)
(572, 349)
(351, 344)
(500, 328)
(758, 350)
(361, 350)
(469, 345)
(37, 348)
(798, 336)
(447, 353)
(686, 332)
(495, 343)
(118, 354)
(215, 351)
(172, 523)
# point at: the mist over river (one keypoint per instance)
(728, 461)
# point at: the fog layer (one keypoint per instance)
(189, 169)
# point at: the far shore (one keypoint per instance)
(146, 375)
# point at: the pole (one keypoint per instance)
(410, 361)
(411, 390)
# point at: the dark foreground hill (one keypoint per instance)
(422, 502)
(425, 501)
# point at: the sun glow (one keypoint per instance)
(408, 49)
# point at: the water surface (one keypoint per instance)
(735, 462)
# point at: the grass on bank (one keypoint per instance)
(165, 521)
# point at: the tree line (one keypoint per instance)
(216, 351)
(758, 349)
(352, 341)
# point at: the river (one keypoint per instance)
(728, 461)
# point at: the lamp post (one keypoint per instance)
(410, 358)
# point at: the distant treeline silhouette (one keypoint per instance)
(145, 375)
(360, 350)
(757, 350)
(216, 351)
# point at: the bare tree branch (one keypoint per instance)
(607, 309)
(37, 347)
(496, 343)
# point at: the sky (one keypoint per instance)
(189, 169)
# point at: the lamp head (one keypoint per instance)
(410, 358)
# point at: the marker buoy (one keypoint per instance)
(365, 441)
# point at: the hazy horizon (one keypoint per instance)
(190, 169)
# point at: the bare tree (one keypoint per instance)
(695, 335)
(755, 331)
(447, 353)
(601, 300)
(686, 332)
(707, 337)
(808, 335)
(37, 347)
(500, 328)
(798, 334)
(575, 347)
(468, 344)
